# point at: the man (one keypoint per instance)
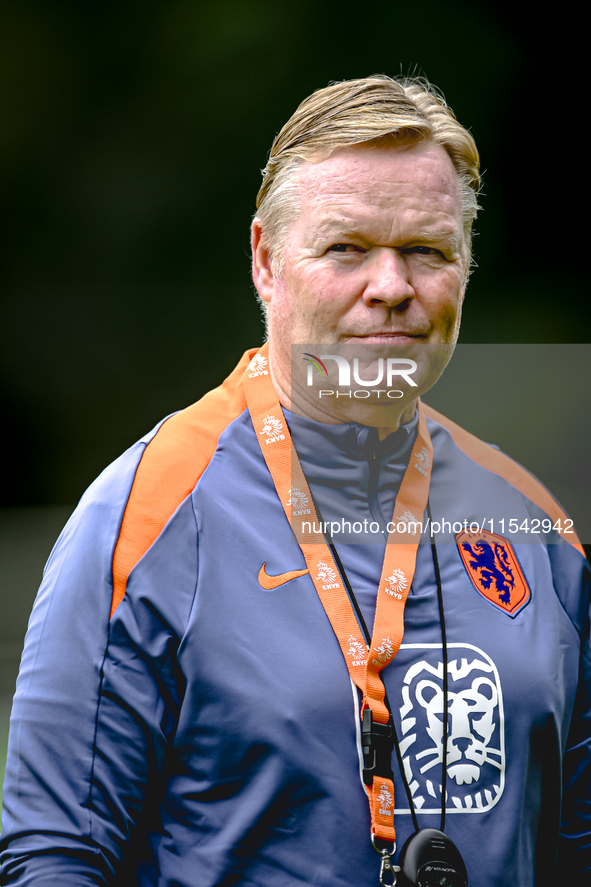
(188, 707)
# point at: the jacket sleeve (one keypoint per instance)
(97, 700)
(574, 858)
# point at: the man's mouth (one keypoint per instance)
(401, 337)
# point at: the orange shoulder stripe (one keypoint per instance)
(171, 465)
(497, 462)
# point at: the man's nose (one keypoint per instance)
(389, 280)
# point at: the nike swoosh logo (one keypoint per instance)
(270, 582)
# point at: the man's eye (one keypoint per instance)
(343, 248)
(424, 250)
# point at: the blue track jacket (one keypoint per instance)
(177, 724)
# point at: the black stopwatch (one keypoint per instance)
(431, 859)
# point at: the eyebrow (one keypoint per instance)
(455, 239)
(328, 225)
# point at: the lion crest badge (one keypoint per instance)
(475, 759)
(494, 570)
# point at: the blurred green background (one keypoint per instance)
(131, 143)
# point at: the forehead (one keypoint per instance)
(367, 182)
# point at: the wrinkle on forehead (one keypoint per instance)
(362, 187)
(376, 165)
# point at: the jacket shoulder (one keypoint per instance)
(170, 466)
(497, 462)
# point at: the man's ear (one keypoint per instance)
(262, 274)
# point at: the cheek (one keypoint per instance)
(316, 282)
(296, 314)
(444, 301)
(447, 316)
(316, 300)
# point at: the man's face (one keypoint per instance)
(376, 253)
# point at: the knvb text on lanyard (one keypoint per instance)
(395, 582)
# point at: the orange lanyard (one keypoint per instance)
(397, 574)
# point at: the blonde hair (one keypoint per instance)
(380, 110)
